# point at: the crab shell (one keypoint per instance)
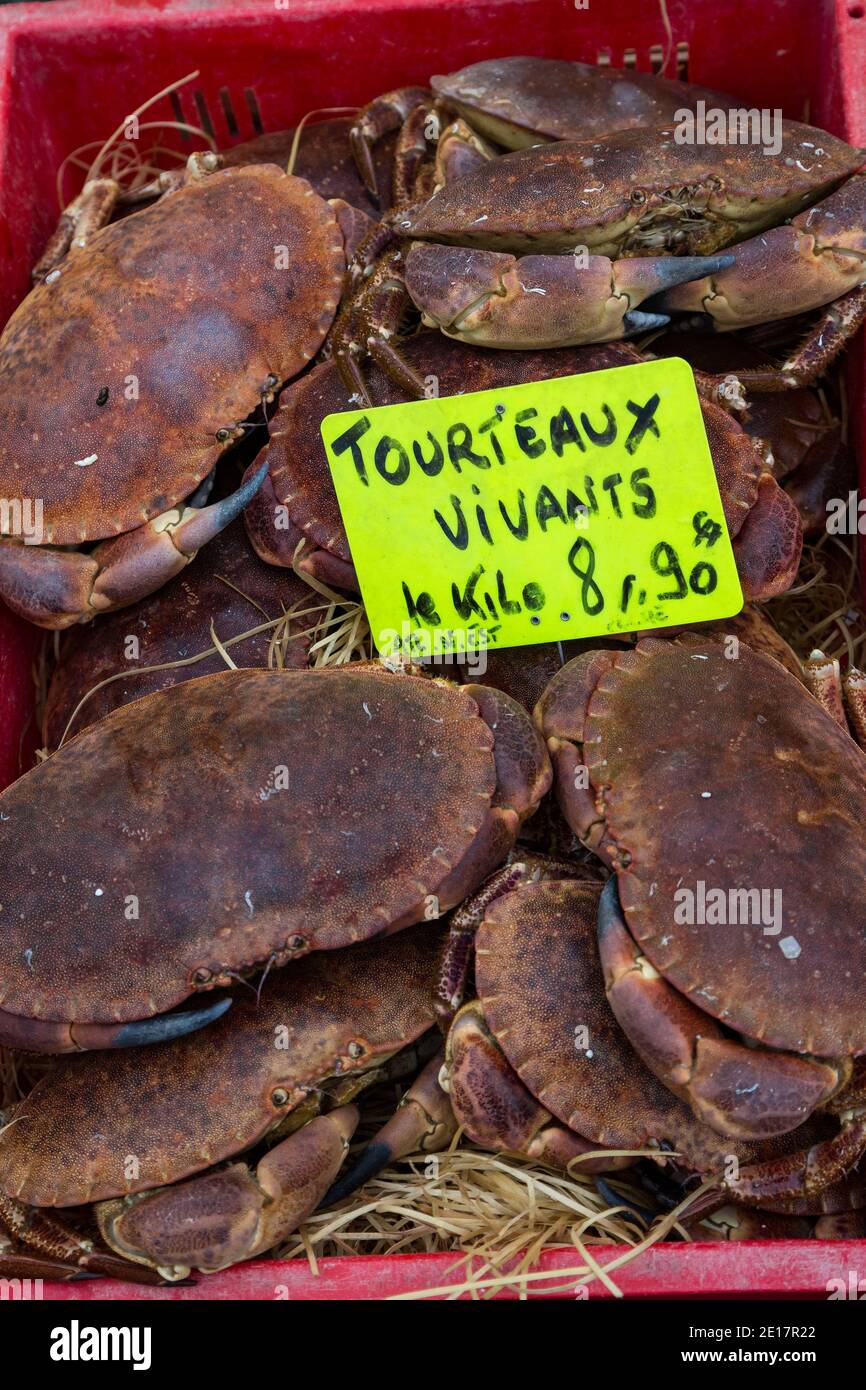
(227, 589)
(244, 818)
(763, 523)
(631, 193)
(520, 101)
(196, 1101)
(118, 370)
(727, 772)
(541, 988)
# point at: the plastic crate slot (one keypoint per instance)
(179, 116)
(253, 108)
(228, 111)
(683, 62)
(602, 58)
(629, 58)
(204, 119)
(657, 58)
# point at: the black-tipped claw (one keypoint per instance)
(616, 1199)
(199, 527)
(610, 912)
(166, 1027)
(636, 321)
(677, 270)
(371, 1161)
(233, 505)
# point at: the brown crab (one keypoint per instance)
(685, 764)
(558, 244)
(130, 367)
(298, 501)
(139, 1132)
(510, 103)
(154, 644)
(242, 820)
(538, 1065)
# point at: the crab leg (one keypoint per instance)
(215, 1220)
(422, 1121)
(805, 1174)
(59, 1252)
(745, 1092)
(85, 215)
(843, 698)
(457, 953)
(17, 1264)
(47, 1035)
(55, 588)
(411, 154)
(386, 113)
(460, 151)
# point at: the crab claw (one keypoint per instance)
(499, 300)
(498, 1111)
(423, 1120)
(53, 1250)
(46, 1035)
(788, 270)
(748, 1093)
(55, 588)
(230, 1214)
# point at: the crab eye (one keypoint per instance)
(279, 1097)
(222, 435)
(202, 976)
(638, 197)
(102, 398)
(296, 942)
(355, 1050)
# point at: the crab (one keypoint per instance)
(538, 1065)
(694, 769)
(559, 244)
(240, 821)
(297, 500)
(132, 365)
(128, 654)
(139, 1133)
(511, 103)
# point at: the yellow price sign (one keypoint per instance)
(573, 507)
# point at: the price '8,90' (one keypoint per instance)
(664, 561)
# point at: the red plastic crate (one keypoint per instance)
(70, 71)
